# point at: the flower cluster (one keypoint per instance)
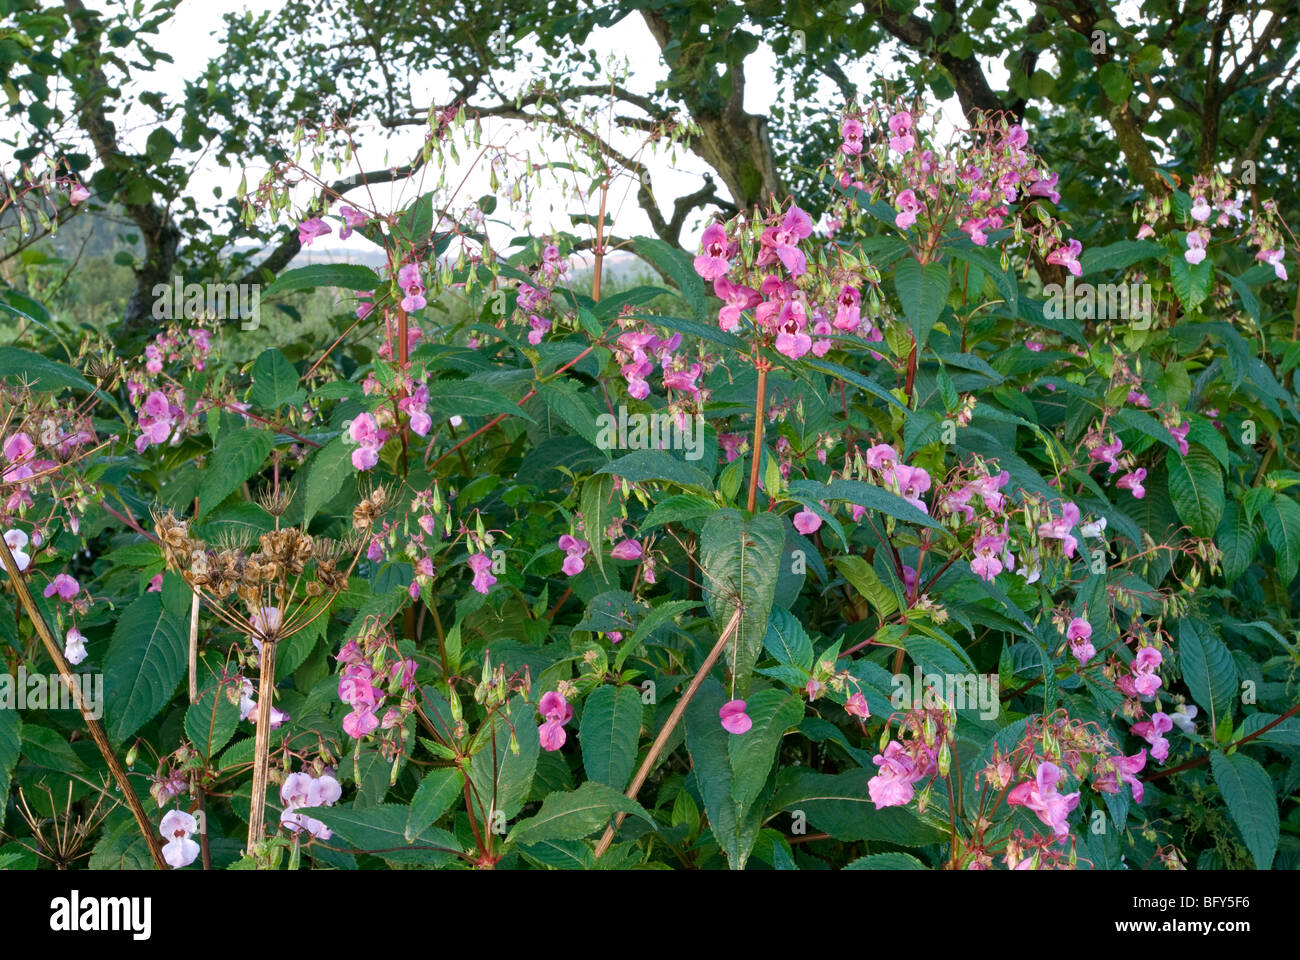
(301, 790)
(373, 669)
(913, 757)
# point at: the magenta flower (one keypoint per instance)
(66, 587)
(1079, 633)
(848, 309)
(738, 299)
(851, 130)
(1179, 434)
(894, 786)
(1060, 529)
(1123, 770)
(628, 549)
(988, 557)
(1145, 679)
(576, 550)
(734, 718)
(714, 262)
(882, 457)
(351, 218)
(1068, 257)
(1107, 452)
(1153, 731)
(1274, 259)
(683, 381)
(538, 328)
(908, 207)
(557, 711)
(1040, 795)
(792, 340)
(480, 563)
(900, 125)
(408, 278)
(796, 226)
(912, 482)
(309, 230)
(360, 723)
(1133, 482)
(807, 522)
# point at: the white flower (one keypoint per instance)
(1093, 531)
(179, 850)
(1183, 717)
(74, 646)
(15, 539)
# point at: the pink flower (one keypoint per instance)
(179, 850)
(539, 327)
(734, 718)
(1152, 731)
(713, 262)
(1200, 209)
(1068, 257)
(1107, 453)
(738, 299)
(806, 522)
(628, 549)
(1040, 796)
(856, 706)
(351, 218)
(576, 550)
(851, 130)
(912, 482)
(1079, 633)
(848, 309)
(882, 457)
(360, 723)
(988, 557)
(1060, 529)
(265, 622)
(683, 381)
(908, 207)
(1145, 680)
(553, 706)
(899, 771)
(78, 194)
(1274, 259)
(792, 340)
(66, 587)
(1179, 433)
(408, 278)
(1133, 481)
(796, 226)
(551, 735)
(309, 230)
(1123, 772)
(902, 140)
(480, 563)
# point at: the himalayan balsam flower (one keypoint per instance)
(807, 522)
(66, 587)
(1153, 731)
(1060, 529)
(74, 648)
(856, 706)
(309, 230)
(628, 549)
(576, 550)
(734, 718)
(179, 850)
(1040, 795)
(1133, 482)
(557, 711)
(16, 540)
(78, 194)
(1274, 259)
(1079, 633)
(713, 263)
(480, 563)
(300, 790)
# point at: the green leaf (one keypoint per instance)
(642, 465)
(346, 276)
(211, 720)
(1196, 486)
(237, 457)
(1248, 791)
(753, 753)
(146, 659)
(679, 266)
(329, 469)
(10, 746)
(787, 641)
(923, 291)
(658, 617)
(1238, 539)
(436, 793)
(504, 775)
(740, 561)
(1191, 283)
(381, 829)
(1208, 668)
(469, 398)
(1116, 82)
(597, 501)
(863, 578)
(1282, 521)
(566, 401)
(840, 804)
(274, 380)
(1118, 256)
(678, 508)
(45, 375)
(610, 728)
(574, 815)
(887, 861)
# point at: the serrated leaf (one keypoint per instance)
(572, 816)
(329, 469)
(346, 276)
(1248, 791)
(436, 793)
(610, 728)
(923, 291)
(1196, 486)
(274, 380)
(237, 457)
(1208, 668)
(146, 659)
(1282, 521)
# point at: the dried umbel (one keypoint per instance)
(284, 585)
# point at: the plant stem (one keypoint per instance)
(147, 828)
(673, 719)
(760, 417)
(262, 743)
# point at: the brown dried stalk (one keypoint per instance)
(151, 834)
